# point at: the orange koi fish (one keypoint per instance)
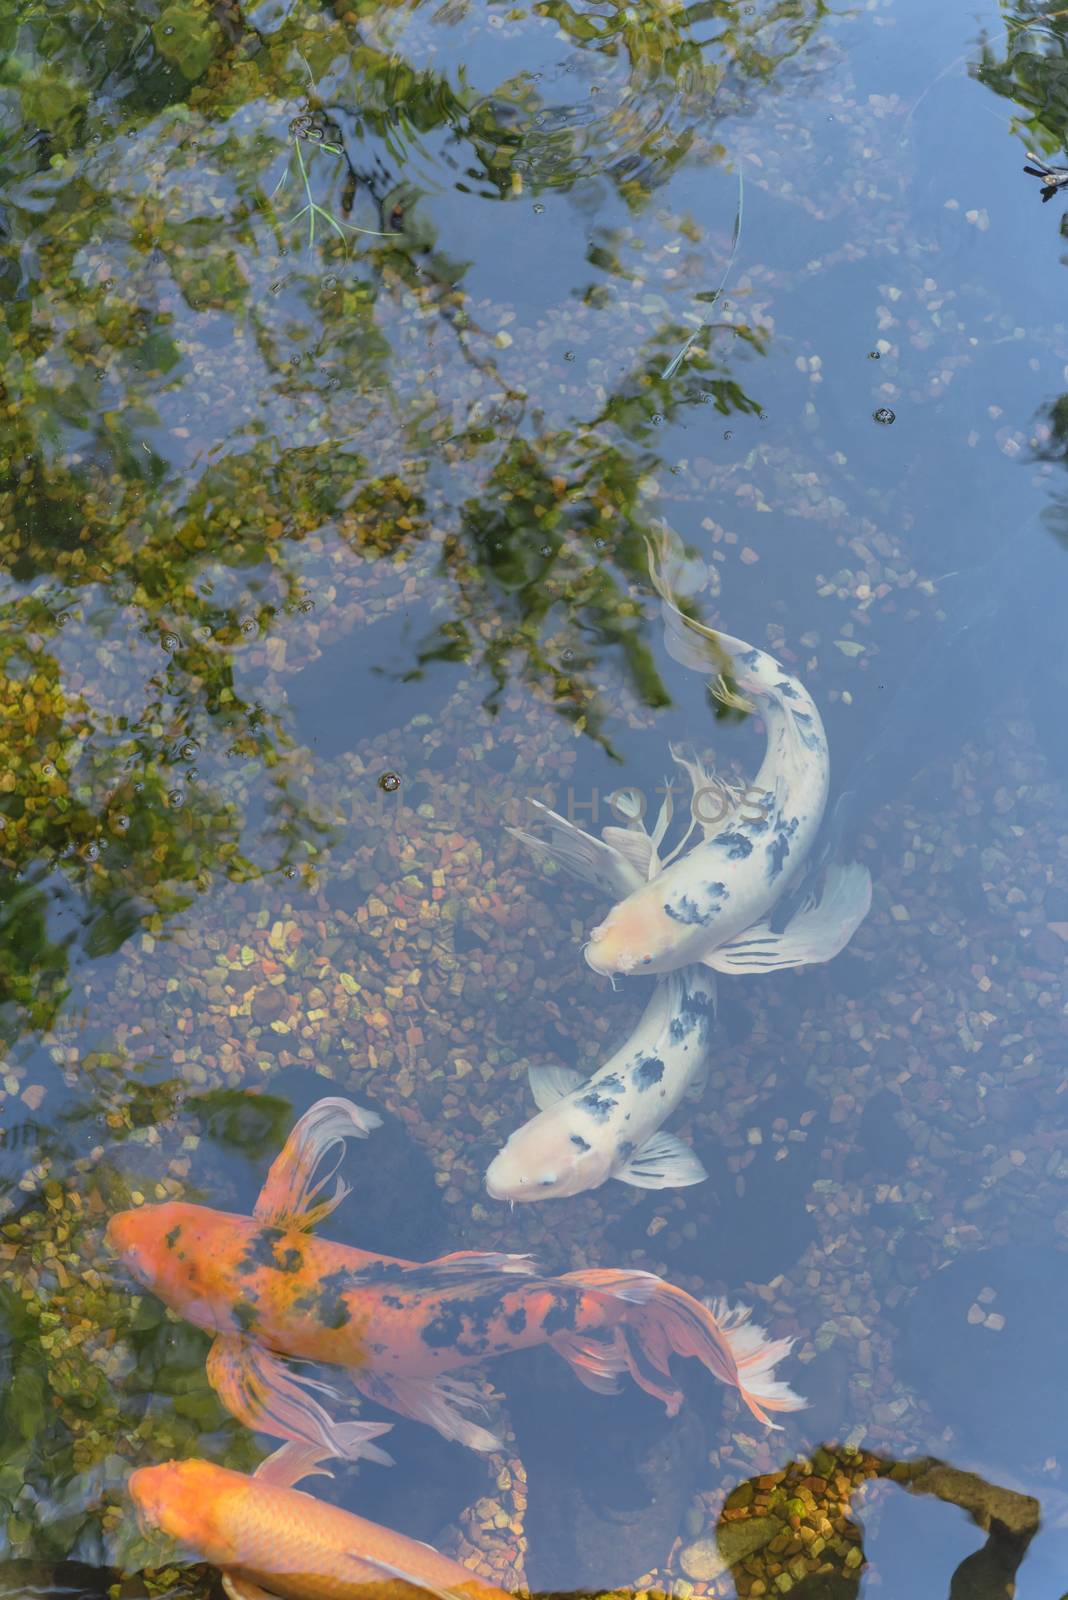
(266, 1289)
(271, 1539)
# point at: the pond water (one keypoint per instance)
(352, 355)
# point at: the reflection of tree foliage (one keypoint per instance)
(1028, 64)
(142, 259)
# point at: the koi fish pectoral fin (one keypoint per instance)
(292, 1462)
(236, 1588)
(579, 853)
(550, 1084)
(440, 1402)
(597, 1363)
(662, 1162)
(815, 933)
(261, 1392)
(417, 1580)
(290, 1197)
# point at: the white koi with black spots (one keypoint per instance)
(608, 1126)
(711, 905)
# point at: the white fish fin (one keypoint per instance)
(289, 1198)
(637, 848)
(236, 1588)
(815, 933)
(662, 823)
(663, 1162)
(440, 1402)
(550, 1084)
(755, 1356)
(477, 1266)
(262, 1392)
(672, 571)
(579, 853)
(294, 1461)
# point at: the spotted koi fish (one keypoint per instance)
(271, 1539)
(713, 904)
(609, 1125)
(402, 1330)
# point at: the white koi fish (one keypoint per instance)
(608, 1126)
(713, 904)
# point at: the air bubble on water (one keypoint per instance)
(546, 550)
(63, 618)
(289, 872)
(48, 768)
(168, 30)
(305, 605)
(188, 749)
(176, 799)
(204, 632)
(762, 415)
(171, 641)
(329, 282)
(657, 418)
(538, 209)
(599, 544)
(885, 416)
(707, 397)
(874, 355)
(122, 823)
(390, 782)
(569, 355)
(91, 851)
(138, 787)
(248, 626)
(728, 433)
(567, 655)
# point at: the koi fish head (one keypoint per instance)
(185, 1500)
(635, 937)
(544, 1161)
(180, 1252)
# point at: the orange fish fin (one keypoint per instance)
(264, 1394)
(597, 1363)
(236, 1588)
(661, 1320)
(290, 1197)
(440, 1402)
(292, 1462)
(417, 1580)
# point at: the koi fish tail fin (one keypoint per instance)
(441, 1402)
(756, 1357)
(660, 1321)
(290, 1197)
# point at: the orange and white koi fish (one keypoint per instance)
(272, 1540)
(713, 904)
(402, 1329)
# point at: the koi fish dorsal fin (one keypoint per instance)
(477, 1267)
(663, 1162)
(289, 1198)
(260, 1391)
(815, 933)
(550, 1084)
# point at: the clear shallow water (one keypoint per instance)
(282, 514)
